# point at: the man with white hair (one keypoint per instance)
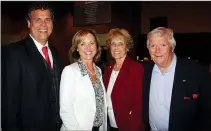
(176, 92)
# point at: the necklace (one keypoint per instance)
(91, 72)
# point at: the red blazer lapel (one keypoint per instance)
(107, 75)
(122, 74)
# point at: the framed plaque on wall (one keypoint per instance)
(91, 13)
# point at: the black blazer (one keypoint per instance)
(190, 108)
(28, 100)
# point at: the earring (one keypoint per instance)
(77, 49)
(127, 50)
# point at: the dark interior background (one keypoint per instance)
(128, 15)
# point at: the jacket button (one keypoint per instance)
(53, 101)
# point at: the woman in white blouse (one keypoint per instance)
(82, 93)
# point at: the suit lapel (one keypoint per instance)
(146, 88)
(35, 56)
(176, 91)
(56, 61)
(121, 76)
(107, 75)
(36, 67)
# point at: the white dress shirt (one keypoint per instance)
(40, 46)
(160, 97)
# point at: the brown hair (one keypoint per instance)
(116, 32)
(77, 38)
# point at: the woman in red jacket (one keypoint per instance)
(123, 83)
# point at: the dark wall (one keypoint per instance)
(127, 15)
(123, 15)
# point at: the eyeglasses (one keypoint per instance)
(120, 44)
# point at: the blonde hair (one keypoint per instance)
(116, 32)
(77, 38)
(161, 32)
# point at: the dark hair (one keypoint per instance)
(77, 38)
(39, 6)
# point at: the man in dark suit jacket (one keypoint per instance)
(31, 77)
(176, 92)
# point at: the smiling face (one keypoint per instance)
(118, 47)
(41, 25)
(87, 48)
(161, 51)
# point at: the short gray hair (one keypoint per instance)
(161, 32)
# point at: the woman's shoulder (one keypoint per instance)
(136, 64)
(73, 66)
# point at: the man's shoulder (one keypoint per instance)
(187, 62)
(148, 64)
(73, 66)
(53, 48)
(192, 65)
(14, 47)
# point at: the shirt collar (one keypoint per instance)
(171, 68)
(84, 70)
(38, 45)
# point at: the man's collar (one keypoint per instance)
(38, 45)
(171, 66)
